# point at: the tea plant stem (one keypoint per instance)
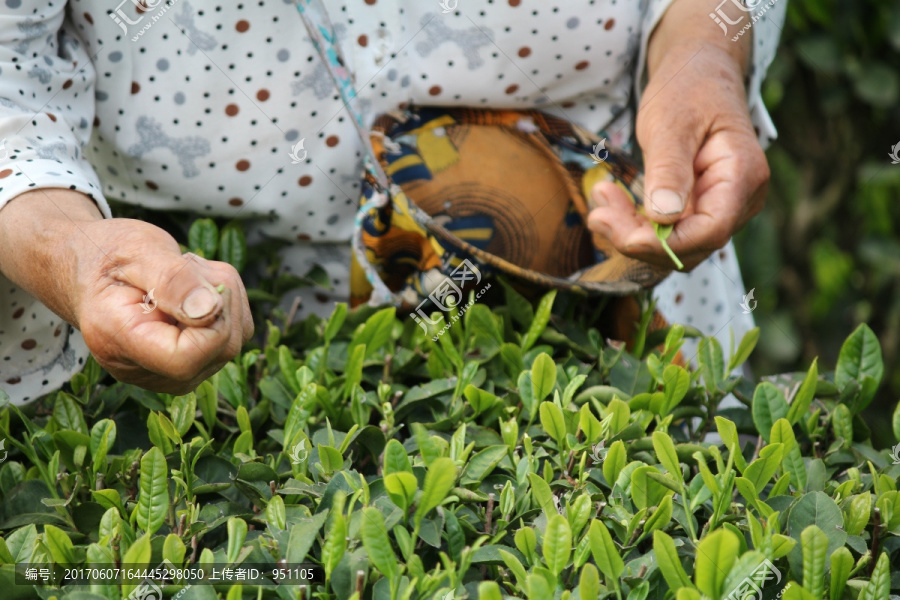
(876, 516)
(688, 514)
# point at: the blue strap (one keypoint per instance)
(321, 31)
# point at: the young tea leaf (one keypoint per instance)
(669, 563)
(378, 546)
(153, 499)
(539, 323)
(814, 544)
(557, 544)
(439, 481)
(715, 555)
(662, 233)
(605, 553)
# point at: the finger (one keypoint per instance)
(179, 285)
(669, 146)
(229, 276)
(168, 350)
(616, 217)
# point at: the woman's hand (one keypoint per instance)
(705, 170)
(97, 273)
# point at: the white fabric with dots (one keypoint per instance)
(196, 106)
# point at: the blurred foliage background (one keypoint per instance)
(825, 253)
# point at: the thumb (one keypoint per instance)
(180, 286)
(669, 172)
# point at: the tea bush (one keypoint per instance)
(518, 456)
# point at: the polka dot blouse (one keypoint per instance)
(224, 109)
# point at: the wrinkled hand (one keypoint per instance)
(705, 170)
(193, 329)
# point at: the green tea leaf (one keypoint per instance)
(303, 534)
(860, 355)
(858, 514)
(174, 550)
(665, 453)
(153, 499)
(376, 332)
(539, 323)
(553, 422)
(645, 491)
(543, 376)
(715, 554)
(335, 545)
(233, 245)
(605, 553)
(669, 563)
(614, 462)
(237, 533)
(103, 436)
(712, 363)
(182, 411)
(879, 585)
(61, 548)
(489, 590)
(804, 396)
(335, 321)
(276, 515)
(662, 233)
(203, 238)
(439, 481)
(676, 382)
(769, 405)
(895, 422)
(395, 458)
(557, 544)
(589, 583)
(661, 517)
(814, 543)
(744, 349)
(378, 546)
(541, 493)
(761, 470)
(401, 487)
(841, 565)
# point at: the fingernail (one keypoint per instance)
(199, 303)
(666, 202)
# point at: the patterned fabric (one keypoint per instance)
(113, 99)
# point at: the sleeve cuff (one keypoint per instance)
(30, 175)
